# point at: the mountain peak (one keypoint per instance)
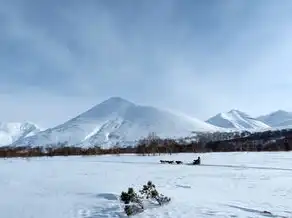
(13, 131)
(236, 119)
(109, 106)
(277, 118)
(117, 120)
(235, 111)
(116, 100)
(238, 113)
(280, 112)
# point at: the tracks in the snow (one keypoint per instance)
(243, 167)
(247, 167)
(259, 212)
(203, 165)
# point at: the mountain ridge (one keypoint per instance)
(14, 131)
(119, 121)
(237, 120)
(116, 120)
(277, 118)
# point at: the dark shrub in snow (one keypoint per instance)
(149, 192)
(134, 203)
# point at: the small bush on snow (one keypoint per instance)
(134, 203)
(149, 192)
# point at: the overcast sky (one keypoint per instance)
(59, 58)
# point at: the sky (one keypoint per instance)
(59, 58)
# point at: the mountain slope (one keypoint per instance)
(235, 119)
(278, 118)
(116, 121)
(11, 132)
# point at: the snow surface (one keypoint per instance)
(229, 185)
(117, 121)
(13, 131)
(278, 118)
(238, 120)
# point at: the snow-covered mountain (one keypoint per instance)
(13, 131)
(278, 118)
(237, 120)
(116, 121)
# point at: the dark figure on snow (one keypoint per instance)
(197, 161)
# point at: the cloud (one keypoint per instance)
(196, 57)
(44, 109)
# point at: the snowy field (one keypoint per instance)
(230, 185)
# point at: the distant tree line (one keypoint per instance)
(278, 140)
